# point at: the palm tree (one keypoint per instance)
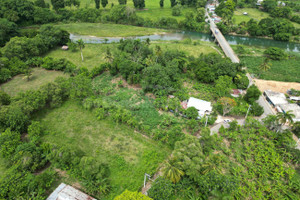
(171, 171)
(265, 66)
(214, 163)
(81, 46)
(284, 117)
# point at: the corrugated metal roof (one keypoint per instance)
(66, 192)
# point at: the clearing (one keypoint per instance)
(39, 77)
(94, 53)
(252, 13)
(109, 30)
(277, 86)
(128, 153)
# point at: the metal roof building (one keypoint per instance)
(294, 108)
(275, 98)
(66, 192)
(203, 107)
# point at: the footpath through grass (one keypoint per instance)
(108, 30)
(128, 153)
(39, 77)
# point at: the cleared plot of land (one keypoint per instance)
(252, 13)
(39, 77)
(109, 30)
(284, 70)
(128, 153)
(277, 86)
(94, 54)
(190, 49)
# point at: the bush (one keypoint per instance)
(256, 109)
(161, 189)
(176, 10)
(275, 53)
(191, 113)
(88, 15)
(252, 94)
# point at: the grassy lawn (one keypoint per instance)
(285, 70)
(94, 53)
(109, 30)
(252, 13)
(190, 49)
(39, 77)
(152, 9)
(124, 150)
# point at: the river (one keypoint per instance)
(181, 35)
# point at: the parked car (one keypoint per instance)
(227, 121)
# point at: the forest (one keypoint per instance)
(101, 121)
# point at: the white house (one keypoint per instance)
(66, 192)
(294, 108)
(275, 98)
(203, 107)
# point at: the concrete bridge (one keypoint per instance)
(220, 39)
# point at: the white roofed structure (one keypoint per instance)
(294, 108)
(203, 107)
(275, 98)
(67, 192)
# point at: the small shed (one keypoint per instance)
(203, 107)
(67, 192)
(65, 47)
(245, 13)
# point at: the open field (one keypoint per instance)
(39, 77)
(94, 53)
(276, 85)
(152, 9)
(284, 70)
(126, 152)
(254, 13)
(108, 30)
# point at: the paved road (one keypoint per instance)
(222, 41)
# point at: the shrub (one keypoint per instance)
(252, 94)
(256, 109)
(161, 189)
(176, 10)
(275, 53)
(191, 113)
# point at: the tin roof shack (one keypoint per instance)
(66, 192)
(275, 98)
(65, 47)
(294, 108)
(203, 107)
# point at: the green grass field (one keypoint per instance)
(252, 13)
(124, 150)
(109, 30)
(152, 9)
(94, 53)
(285, 70)
(39, 77)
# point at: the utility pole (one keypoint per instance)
(247, 112)
(145, 178)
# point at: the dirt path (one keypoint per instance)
(149, 183)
